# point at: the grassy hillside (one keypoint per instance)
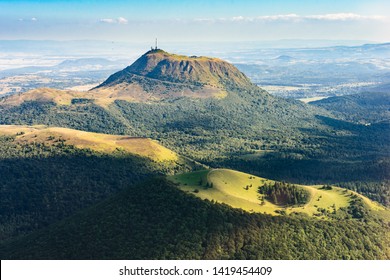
(155, 220)
(241, 190)
(98, 142)
(68, 97)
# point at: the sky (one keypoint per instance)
(195, 21)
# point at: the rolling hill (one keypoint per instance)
(98, 142)
(241, 190)
(65, 97)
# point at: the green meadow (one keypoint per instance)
(240, 190)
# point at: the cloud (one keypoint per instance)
(344, 17)
(288, 17)
(107, 20)
(239, 18)
(120, 20)
(204, 20)
(297, 18)
(33, 19)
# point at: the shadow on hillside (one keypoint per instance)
(39, 191)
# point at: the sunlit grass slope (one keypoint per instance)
(240, 190)
(95, 141)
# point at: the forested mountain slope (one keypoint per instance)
(155, 220)
(48, 174)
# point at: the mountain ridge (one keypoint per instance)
(192, 75)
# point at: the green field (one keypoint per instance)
(240, 190)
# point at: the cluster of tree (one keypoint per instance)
(155, 220)
(379, 191)
(81, 101)
(285, 194)
(356, 208)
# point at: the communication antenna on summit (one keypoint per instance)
(156, 45)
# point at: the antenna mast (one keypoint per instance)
(156, 45)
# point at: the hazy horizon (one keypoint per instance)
(190, 21)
